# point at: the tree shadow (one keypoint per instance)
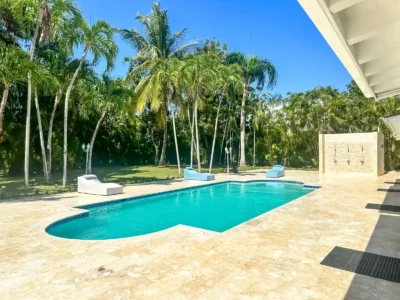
(46, 198)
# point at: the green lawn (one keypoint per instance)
(14, 186)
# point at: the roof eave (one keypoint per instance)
(328, 27)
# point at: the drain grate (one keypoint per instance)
(364, 263)
(383, 207)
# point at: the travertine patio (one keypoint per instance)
(275, 256)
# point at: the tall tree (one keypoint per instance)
(258, 108)
(13, 69)
(42, 20)
(99, 40)
(160, 89)
(200, 70)
(227, 77)
(254, 69)
(42, 27)
(102, 97)
(155, 46)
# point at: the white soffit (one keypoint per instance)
(365, 35)
(393, 123)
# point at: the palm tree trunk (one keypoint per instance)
(27, 132)
(29, 100)
(222, 142)
(243, 125)
(176, 143)
(164, 145)
(156, 153)
(197, 136)
(193, 147)
(191, 140)
(254, 146)
(50, 133)
(231, 147)
(3, 105)
(103, 114)
(67, 95)
(156, 147)
(215, 136)
(41, 136)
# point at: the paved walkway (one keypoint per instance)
(274, 256)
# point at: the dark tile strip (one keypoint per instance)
(388, 190)
(383, 207)
(388, 182)
(364, 263)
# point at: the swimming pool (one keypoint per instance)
(216, 207)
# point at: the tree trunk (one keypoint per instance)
(176, 143)
(206, 146)
(3, 105)
(156, 147)
(191, 138)
(215, 136)
(157, 151)
(67, 95)
(197, 136)
(164, 145)
(243, 125)
(103, 114)
(29, 100)
(231, 148)
(193, 147)
(28, 131)
(254, 146)
(50, 133)
(41, 136)
(222, 143)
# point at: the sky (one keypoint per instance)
(278, 30)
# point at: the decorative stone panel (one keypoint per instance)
(351, 152)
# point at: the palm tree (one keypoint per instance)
(257, 110)
(199, 72)
(42, 19)
(47, 83)
(228, 77)
(60, 64)
(160, 89)
(9, 23)
(13, 68)
(104, 96)
(43, 26)
(254, 69)
(156, 45)
(99, 40)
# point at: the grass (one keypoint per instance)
(14, 186)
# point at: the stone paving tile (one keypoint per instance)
(274, 256)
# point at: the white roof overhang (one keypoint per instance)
(365, 35)
(393, 123)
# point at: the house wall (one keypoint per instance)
(351, 153)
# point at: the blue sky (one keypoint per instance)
(275, 29)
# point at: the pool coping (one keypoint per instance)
(86, 208)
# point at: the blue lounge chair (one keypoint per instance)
(277, 171)
(191, 174)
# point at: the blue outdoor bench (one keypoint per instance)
(277, 171)
(191, 174)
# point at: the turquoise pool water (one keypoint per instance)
(216, 207)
